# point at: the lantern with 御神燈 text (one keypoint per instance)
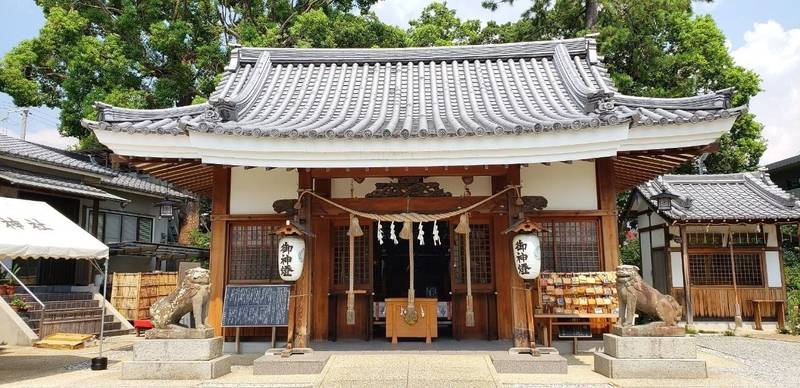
(526, 248)
(291, 251)
(527, 252)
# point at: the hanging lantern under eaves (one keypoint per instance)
(527, 251)
(526, 247)
(291, 251)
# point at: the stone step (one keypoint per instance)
(52, 297)
(649, 368)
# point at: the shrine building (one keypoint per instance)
(386, 159)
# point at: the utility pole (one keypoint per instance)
(24, 123)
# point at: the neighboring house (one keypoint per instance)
(722, 219)
(75, 185)
(786, 174)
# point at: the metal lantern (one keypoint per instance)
(291, 252)
(664, 200)
(527, 251)
(165, 208)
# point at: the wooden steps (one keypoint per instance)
(64, 341)
(67, 312)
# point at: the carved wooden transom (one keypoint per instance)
(408, 187)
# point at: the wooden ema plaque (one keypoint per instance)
(425, 327)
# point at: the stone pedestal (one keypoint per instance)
(177, 359)
(513, 361)
(296, 364)
(649, 357)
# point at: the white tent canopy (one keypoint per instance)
(33, 230)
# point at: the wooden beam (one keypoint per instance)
(493, 170)
(303, 290)
(217, 263)
(607, 200)
(687, 284)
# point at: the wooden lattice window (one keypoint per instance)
(714, 269)
(253, 253)
(571, 246)
(480, 250)
(697, 240)
(341, 257)
(749, 239)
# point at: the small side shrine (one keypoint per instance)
(714, 242)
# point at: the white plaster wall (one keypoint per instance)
(677, 269)
(772, 235)
(254, 190)
(674, 231)
(340, 187)
(647, 260)
(772, 262)
(658, 238)
(566, 186)
(643, 221)
(481, 186)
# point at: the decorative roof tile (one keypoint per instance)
(725, 197)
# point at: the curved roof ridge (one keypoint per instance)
(415, 54)
(719, 99)
(108, 112)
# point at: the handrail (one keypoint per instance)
(41, 318)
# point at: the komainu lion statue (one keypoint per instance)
(635, 294)
(190, 297)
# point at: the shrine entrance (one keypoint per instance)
(432, 279)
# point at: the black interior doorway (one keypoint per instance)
(431, 264)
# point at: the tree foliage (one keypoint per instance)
(654, 48)
(160, 53)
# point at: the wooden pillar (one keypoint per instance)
(607, 203)
(302, 299)
(220, 206)
(519, 317)
(320, 282)
(687, 284)
(95, 218)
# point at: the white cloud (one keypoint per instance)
(399, 12)
(774, 53)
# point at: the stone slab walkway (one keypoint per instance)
(409, 370)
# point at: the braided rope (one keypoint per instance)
(410, 216)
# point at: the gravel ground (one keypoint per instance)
(770, 361)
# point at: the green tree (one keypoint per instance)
(438, 25)
(653, 48)
(160, 53)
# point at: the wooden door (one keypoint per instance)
(483, 287)
(340, 270)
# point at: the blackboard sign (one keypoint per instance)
(266, 305)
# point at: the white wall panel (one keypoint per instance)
(773, 265)
(647, 260)
(566, 186)
(254, 190)
(677, 269)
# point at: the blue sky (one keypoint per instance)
(764, 36)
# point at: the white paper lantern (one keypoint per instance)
(291, 250)
(527, 252)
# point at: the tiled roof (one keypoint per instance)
(24, 150)
(61, 185)
(503, 89)
(21, 149)
(726, 197)
(793, 161)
